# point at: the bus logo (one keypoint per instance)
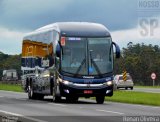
(88, 77)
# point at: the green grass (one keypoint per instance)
(157, 87)
(135, 98)
(11, 87)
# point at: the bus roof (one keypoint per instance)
(75, 29)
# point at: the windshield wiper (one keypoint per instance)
(95, 65)
(80, 67)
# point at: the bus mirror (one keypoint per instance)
(58, 50)
(117, 50)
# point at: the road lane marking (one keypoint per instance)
(138, 105)
(57, 104)
(109, 111)
(14, 114)
(1, 96)
(143, 106)
(20, 99)
(22, 116)
(81, 107)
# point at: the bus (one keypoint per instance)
(60, 60)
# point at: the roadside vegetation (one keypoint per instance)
(140, 61)
(135, 98)
(11, 87)
(10, 62)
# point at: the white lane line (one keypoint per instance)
(22, 99)
(57, 104)
(1, 96)
(143, 106)
(134, 105)
(109, 111)
(14, 114)
(22, 116)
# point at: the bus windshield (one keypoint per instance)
(87, 56)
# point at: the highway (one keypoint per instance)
(150, 90)
(17, 104)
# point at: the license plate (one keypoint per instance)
(88, 91)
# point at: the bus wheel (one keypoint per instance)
(100, 99)
(31, 94)
(55, 97)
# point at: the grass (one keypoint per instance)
(135, 98)
(11, 87)
(157, 87)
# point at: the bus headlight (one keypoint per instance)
(65, 82)
(108, 83)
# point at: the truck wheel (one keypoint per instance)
(31, 94)
(100, 99)
(55, 97)
(131, 88)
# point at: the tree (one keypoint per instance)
(140, 61)
(10, 62)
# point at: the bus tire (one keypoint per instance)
(56, 98)
(31, 94)
(100, 99)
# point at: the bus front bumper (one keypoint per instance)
(85, 90)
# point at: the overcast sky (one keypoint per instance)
(122, 17)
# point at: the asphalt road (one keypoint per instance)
(16, 106)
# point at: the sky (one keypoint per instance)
(136, 21)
